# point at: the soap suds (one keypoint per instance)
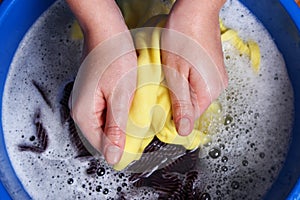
(241, 162)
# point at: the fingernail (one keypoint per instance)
(113, 154)
(184, 126)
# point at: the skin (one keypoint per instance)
(104, 126)
(190, 98)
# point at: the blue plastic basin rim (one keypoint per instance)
(294, 11)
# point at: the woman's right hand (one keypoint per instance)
(106, 80)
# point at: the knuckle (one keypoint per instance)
(114, 133)
(182, 104)
(182, 108)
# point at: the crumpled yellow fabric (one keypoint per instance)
(150, 113)
(250, 48)
(137, 12)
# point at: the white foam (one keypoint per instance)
(261, 108)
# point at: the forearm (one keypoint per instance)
(203, 5)
(197, 9)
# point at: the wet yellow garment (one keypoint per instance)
(250, 48)
(150, 113)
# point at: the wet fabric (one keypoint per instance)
(150, 114)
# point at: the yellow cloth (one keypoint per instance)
(137, 12)
(249, 48)
(150, 113)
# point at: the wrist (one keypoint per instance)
(98, 19)
(101, 18)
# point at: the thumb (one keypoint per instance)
(182, 107)
(113, 139)
(118, 105)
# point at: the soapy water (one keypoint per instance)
(241, 162)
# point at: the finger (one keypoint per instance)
(113, 139)
(118, 104)
(87, 117)
(183, 111)
(87, 121)
(197, 57)
(203, 95)
(206, 80)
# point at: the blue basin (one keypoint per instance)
(282, 20)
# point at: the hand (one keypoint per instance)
(193, 60)
(106, 80)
